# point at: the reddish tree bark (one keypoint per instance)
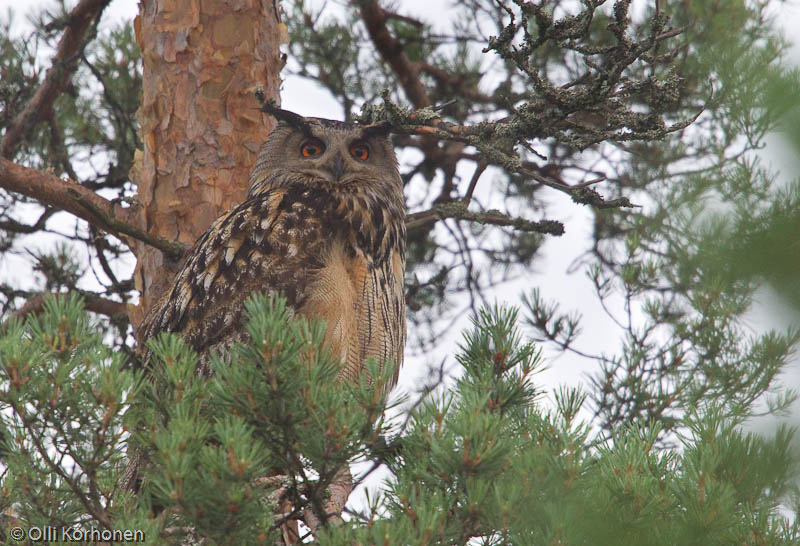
(200, 122)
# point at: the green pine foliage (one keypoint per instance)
(64, 398)
(276, 409)
(490, 460)
(658, 449)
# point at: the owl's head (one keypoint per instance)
(340, 156)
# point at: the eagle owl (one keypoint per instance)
(323, 224)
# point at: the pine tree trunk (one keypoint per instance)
(200, 122)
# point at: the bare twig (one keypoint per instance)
(91, 302)
(82, 202)
(392, 52)
(173, 249)
(482, 164)
(459, 211)
(671, 33)
(18, 227)
(463, 88)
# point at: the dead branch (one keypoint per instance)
(474, 180)
(91, 302)
(459, 211)
(461, 87)
(33, 305)
(77, 32)
(70, 196)
(391, 50)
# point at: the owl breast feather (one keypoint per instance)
(334, 256)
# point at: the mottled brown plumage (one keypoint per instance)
(323, 224)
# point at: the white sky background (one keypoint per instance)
(550, 271)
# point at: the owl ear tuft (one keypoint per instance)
(270, 107)
(381, 128)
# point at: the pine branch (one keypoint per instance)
(391, 50)
(51, 190)
(461, 86)
(494, 217)
(91, 302)
(76, 34)
(94, 509)
(82, 202)
(173, 249)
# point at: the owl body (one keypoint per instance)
(324, 225)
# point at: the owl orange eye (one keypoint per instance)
(311, 147)
(359, 150)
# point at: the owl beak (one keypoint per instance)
(338, 167)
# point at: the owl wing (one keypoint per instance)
(244, 250)
(381, 330)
